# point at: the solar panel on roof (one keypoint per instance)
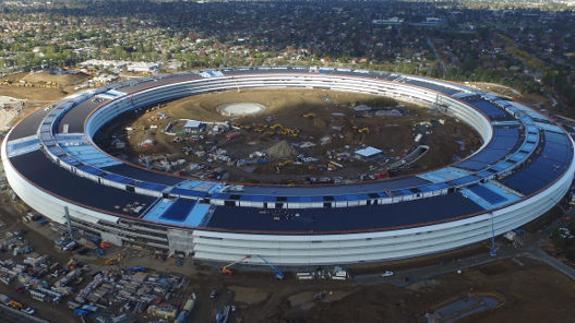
(143, 174)
(304, 199)
(257, 198)
(543, 169)
(92, 170)
(464, 180)
(189, 193)
(151, 186)
(432, 209)
(118, 179)
(487, 194)
(179, 210)
(489, 109)
(50, 177)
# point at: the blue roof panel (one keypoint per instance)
(488, 108)
(151, 186)
(487, 194)
(179, 210)
(143, 174)
(433, 209)
(50, 177)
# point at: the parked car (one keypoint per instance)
(387, 273)
(28, 310)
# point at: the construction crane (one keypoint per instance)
(279, 274)
(226, 269)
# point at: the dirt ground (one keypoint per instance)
(58, 79)
(291, 109)
(497, 88)
(531, 292)
(35, 93)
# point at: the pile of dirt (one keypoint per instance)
(281, 150)
(63, 79)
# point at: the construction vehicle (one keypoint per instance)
(72, 264)
(282, 164)
(332, 165)
(363, 130)
(290, 132)
(114, 260)
(276, 126)
(227, 268)
(15, 305)
(279, 274)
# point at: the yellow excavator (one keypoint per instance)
(364, 131)
(114, 260)
(277, 126)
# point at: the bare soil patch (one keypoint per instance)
(335, 123)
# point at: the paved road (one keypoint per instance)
(553, 262)
(8, 314)
(531, 247)
(407, 277)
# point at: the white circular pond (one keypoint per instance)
(241, 109)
